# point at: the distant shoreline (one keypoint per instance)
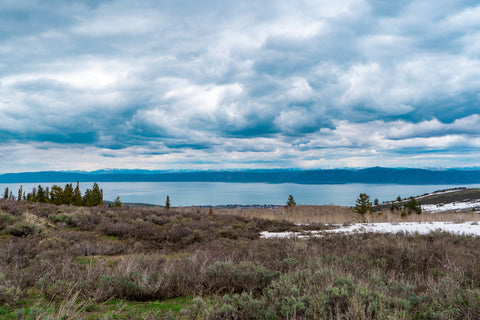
(433, 198)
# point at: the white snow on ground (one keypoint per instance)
(467, 228)
(451, 206)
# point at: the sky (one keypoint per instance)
(86, 85)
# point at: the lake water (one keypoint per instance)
(218, 193)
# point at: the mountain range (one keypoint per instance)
(375, 175)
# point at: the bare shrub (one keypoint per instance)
(12, 207)
(85, 220)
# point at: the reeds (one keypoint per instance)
(329, 214)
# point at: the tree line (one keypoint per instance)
(58, 195)
(363, 205)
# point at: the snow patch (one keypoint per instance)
(465, 228)
(455, 206)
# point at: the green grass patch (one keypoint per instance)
(115, 309)
(6, 313)
(25, 313)
(86, 260)
(119, 309)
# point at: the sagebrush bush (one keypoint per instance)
(62, 219)
(6, 220)
(23, 229)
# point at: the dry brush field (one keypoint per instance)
(329, 214)
(65, 262)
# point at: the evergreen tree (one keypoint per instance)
(117, 202)
(77, 195)
(413, 205)
(56, 195)
(291, 202)
(40, 194)
(5, 194)
(375, 202)
(34, 194)
(68, 196)
(167, 203)
(93, 197)
(363, 204)
(97, 195)
(87, 198)
(20, 193)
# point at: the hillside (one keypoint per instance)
(449, 196)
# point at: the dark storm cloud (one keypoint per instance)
(175, 84)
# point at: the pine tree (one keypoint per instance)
(34, 194)
(32, 197)
(117, 202)
(413, 205)
(5, 194)
(87, 198)
(167, 203)
(291, 202)
(20, 193)
(97, 195)
(56, 195)
(93, 197)
(40, 194)
(68, 195)
(363, 204)
(77, 195)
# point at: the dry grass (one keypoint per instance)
(329, 214)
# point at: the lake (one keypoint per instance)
(219, 193)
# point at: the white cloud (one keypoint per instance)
(380, 136)
(232, 84)
(465, 19)
(117, 25)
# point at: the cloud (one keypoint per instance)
(463, 21)
(398, 137)
(234, 84)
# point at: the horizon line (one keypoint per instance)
(119, 170)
